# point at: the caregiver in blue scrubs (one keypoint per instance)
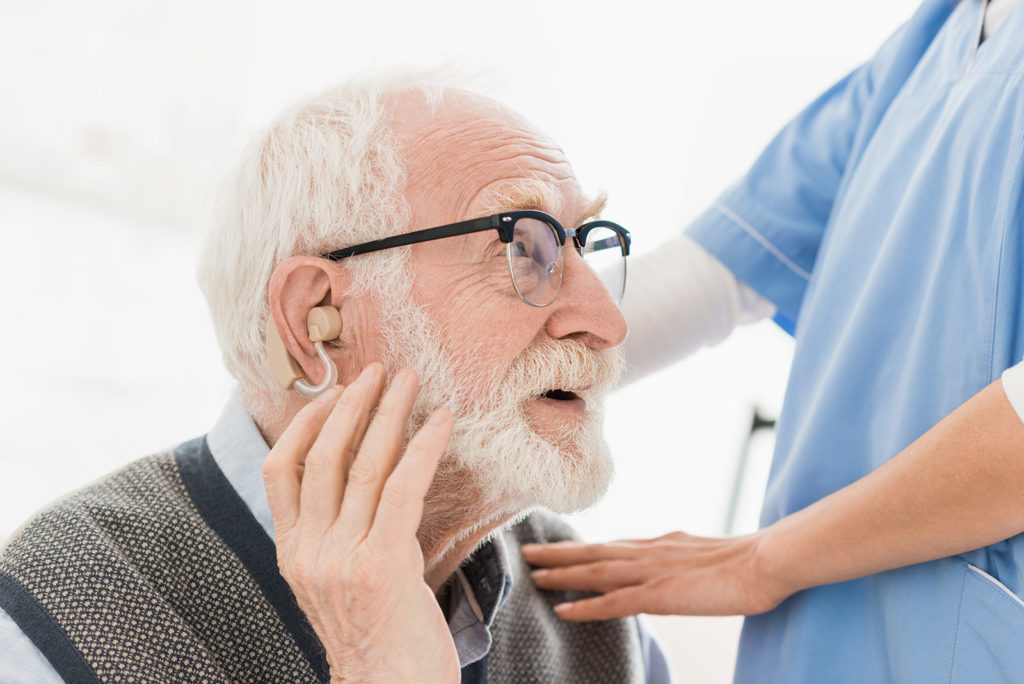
(884, 226)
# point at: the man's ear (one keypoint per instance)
(297, 286)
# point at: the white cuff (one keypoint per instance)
(1013, 385)
(678, 299)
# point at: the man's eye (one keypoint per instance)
(518, 249)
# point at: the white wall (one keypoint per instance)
(115, 117)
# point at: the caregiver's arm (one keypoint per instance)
(958, 487)
(678, 299)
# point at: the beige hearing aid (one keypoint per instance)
(323, 324)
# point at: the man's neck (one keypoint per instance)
(444, 557)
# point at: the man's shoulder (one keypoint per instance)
(559, 651)
(128, 492)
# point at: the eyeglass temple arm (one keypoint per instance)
(450, 230)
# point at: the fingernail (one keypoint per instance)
(368, 374)
(402, 379)
(330, 394)
(529, 548)
(563, 608)
(439, 417)
(539, 574)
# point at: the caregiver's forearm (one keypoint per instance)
(678, 299)
(958, 487)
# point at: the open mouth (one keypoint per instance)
(560, 395)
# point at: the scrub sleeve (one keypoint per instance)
(1013, 385)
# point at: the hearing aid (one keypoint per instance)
(322, 324)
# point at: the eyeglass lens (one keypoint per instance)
(535, 260)
(603, 252)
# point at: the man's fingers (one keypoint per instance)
(284, 465)
(377, 457)
(616, 604)
(603, 576)
(330, 456)
(401, 502)
(576, 553)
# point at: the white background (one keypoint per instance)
(116, 118)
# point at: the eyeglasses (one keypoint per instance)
(533, 242)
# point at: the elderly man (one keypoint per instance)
(378, 227)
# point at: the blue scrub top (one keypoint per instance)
(886, 223)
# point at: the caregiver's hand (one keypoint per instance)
(346, 506)
(676, 574)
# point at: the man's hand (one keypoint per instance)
(346, 508)
(675, 574)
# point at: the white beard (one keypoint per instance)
(494, 455)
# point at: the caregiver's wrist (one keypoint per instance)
(777, 564)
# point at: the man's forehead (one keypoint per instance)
(476, 156)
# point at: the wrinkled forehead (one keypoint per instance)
(472, 156)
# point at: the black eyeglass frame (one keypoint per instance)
(504, 223)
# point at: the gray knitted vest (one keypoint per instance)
(159, 573)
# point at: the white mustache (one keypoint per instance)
(566, 365)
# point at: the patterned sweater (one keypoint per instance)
(159, 573)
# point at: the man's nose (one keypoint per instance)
(584, 309)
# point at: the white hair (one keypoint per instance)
(325, 174)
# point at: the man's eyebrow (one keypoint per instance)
(522, 195)
(539, 196)
(594, 208)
